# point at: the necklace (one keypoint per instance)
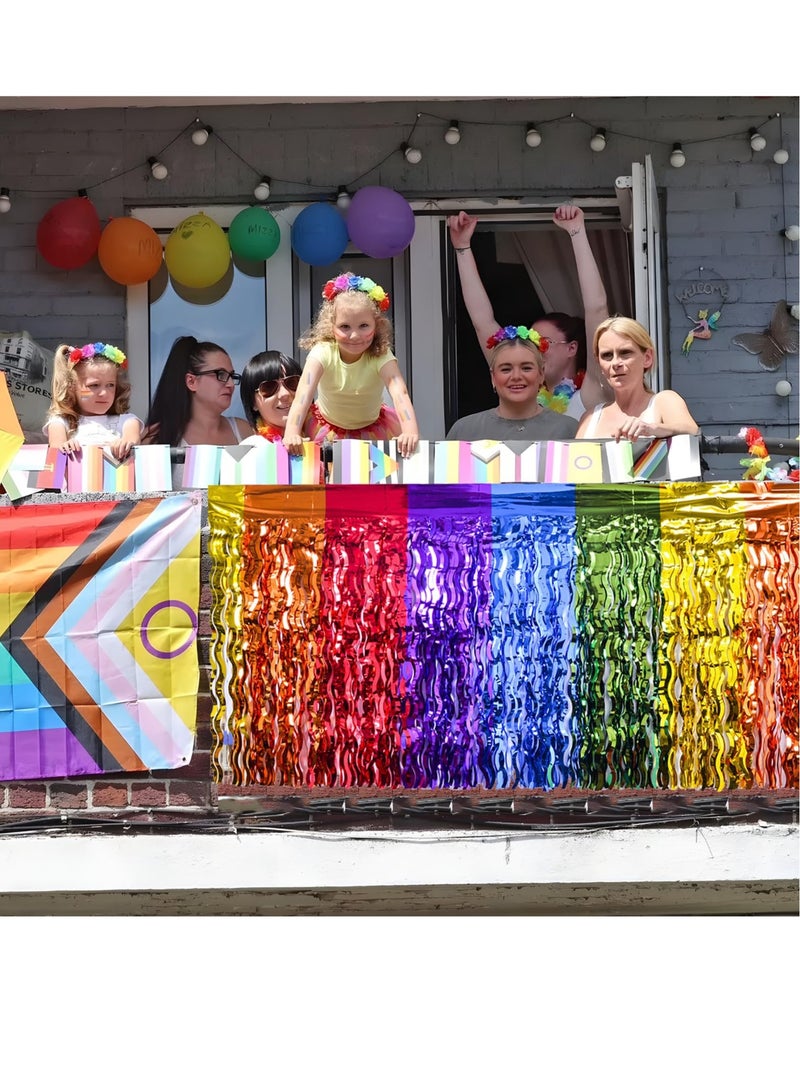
(514, 427)
(269, 431)
(558, 398)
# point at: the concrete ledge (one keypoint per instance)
(752, 868)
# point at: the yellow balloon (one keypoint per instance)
(197, 254)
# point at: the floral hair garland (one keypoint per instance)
(756, 468)
(521, 333)
(558, 398)
(345, 283)
(88, 352)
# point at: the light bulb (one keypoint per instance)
(792, 232)
(261, 192)
(413, 155)
(533, 137)
(783, 388)
(5, 200)
(598, 141)
(757, 141)
(201, 135)
(343, 197)
(781, 156)
(453, 134)
(677, 158)
(157, 169)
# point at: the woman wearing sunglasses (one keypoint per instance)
(193, 393)
(269, 383)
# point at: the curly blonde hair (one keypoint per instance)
(64, 397)
(322, 328)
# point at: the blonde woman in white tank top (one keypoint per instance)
(626, 354)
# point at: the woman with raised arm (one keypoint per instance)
(573, 382)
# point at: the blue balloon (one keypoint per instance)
(319, 234)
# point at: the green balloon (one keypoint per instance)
(254, 234)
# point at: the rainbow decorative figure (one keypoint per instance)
(505, 636)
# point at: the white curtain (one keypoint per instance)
(548, 260)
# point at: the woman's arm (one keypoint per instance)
(477, 302)
(309, 381)
(395, 384)
(593, 295)
(674, 420)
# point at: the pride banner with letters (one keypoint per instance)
(491, 462)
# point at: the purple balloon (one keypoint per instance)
(380, 222)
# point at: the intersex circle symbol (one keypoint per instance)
(165, 605)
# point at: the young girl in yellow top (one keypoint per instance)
(349, 363)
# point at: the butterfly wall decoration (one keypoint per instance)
(776, 342)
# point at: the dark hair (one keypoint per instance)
(171, 407)
(260, 369)
(572, 329)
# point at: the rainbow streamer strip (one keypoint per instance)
(505, 636)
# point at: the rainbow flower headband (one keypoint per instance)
(521, 333)
(88, 352)
(346, 283)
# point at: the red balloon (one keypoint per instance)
(68, 235)
(130, 252)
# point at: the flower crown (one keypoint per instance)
(88, 352)
(521, 333)
(345, 283)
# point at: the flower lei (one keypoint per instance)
(756, 468)
(345, 283)
(268, 431)
(558, 398)
(518, 333)
(88, 352)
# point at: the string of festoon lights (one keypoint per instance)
(453, 131)
(378, 220)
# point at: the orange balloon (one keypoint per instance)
(129, 251)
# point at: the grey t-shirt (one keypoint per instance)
(487, 425)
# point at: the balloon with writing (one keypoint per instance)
(776, 342)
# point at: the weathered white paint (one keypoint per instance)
(276, 859)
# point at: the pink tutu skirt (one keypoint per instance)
(387, 426)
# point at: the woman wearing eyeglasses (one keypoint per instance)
(269, 383)
(193, 393)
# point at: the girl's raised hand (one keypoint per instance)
(568, 217)
(461, 227)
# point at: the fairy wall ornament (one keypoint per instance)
(706, 323)
(777, 341)
(709, 294)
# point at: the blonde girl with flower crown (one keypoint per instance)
(90, 399)
(350, 362)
